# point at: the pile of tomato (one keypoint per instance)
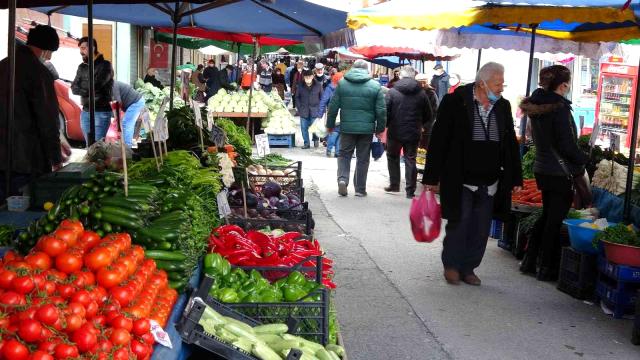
(76, 295)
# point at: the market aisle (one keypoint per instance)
(394, 304)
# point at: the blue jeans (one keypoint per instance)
(103, 120)
(129, 120)
(333, 140)
(305, 124)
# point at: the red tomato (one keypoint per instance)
(55, 275)
(66, 290)
(120, 337)
(91, 310)
(6, 277)
(139, 349)
(39, 260)
(49, 287)
(38, 280)
(28, 314)
(67, 235)
(47, 346)
(122, 294)
(82, 296)
(14, 350)
(121, 354)
(148, 338)
(46, 333)
(141, 327)
(77, 309)
(23, 284)
(30, 330)
(99, 294)
(108, 277)
(74, 322)
(98, 258)
(71, 224)
(88, 240)
(99, 320)
(105, 346)
(84, 339)
(69, 262)
(40, 355)
(122, 322)
(11, 298)
(4, 321)
(10, 256)
(65, 351)
(53, 246)
(48, 314)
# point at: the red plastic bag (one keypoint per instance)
(425, 217)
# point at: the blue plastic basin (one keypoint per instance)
(581, 237)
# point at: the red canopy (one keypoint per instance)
(372, 52)
(225, 36)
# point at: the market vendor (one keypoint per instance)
(132, 103)
(36, 148)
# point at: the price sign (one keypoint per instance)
(160, 130)
(145, 120)
(594, 134)
(223, 204)
(262, 144)
(197, 113)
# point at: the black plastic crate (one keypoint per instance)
(290, 220)
(578, 274)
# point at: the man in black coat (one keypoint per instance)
(408, 112)
(474, 157)
(212, 77)
(36, 139)
(440, 81)
(103, 85)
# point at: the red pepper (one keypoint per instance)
(237, 239)
(225, 229)
(238, 260)
(233, 252)
(214, 242)
(259, 238)
(288, 237)
(328, 283)
(272, 260)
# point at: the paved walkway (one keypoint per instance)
(393, 303)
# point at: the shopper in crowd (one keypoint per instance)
(296, 79)
(226, 74)
(198, 80)
(396, 77)
(132, 103)
(278, 82)
(308, 96)
(36, 147)
(433, 107)
(408, 112)
(474, 157)
(103, 85)
(333, 138)
(151, 78)
(360, 102)
(440, 81)
(320, 76)
(265, 77)
(454, 82)
(211, 75)
(247, 79)
(281, 66)
(555, 137)
(288, 73)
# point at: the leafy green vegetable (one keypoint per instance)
(527, 224)
(153, 97)
(527, 163)
(183, 132)
(239, 138)
(6, 234)
(618, 234)
(273, 160)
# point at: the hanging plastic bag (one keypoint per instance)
(377, 148)
(425, 217)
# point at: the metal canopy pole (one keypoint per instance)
(253, 71)
(523, 121)
(480, 59)
(174, 52)
(238, 72)
(92, 81)
(632, 159)
(11, 96)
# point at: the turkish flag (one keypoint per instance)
(158, 55)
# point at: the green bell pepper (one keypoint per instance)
(296, 278)
(240, 274)
(213, 261)
(293, 293)
(225, 267)
(270, 295)
(227, 295)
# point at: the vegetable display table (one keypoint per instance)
(236, 115)
(179, 350)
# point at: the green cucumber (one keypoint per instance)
(176, 276)
(124, 203)
(178, 284)
(118, 220)
(275, 329)
(159, 234)
(173, 266)
(133, 215)
(336, 349)
(166, 255)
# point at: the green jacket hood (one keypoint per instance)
(357, 76)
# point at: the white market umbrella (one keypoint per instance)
(214, 51)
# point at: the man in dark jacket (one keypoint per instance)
(35, 149)
(440, 81)
(103, 85)
(308, 97)
(360, 102)
(132, 103)
(212, 77)
(474, 157)
(320, 76)
(408, 112)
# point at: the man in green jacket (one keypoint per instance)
(363, 113)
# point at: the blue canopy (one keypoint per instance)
(290, 19)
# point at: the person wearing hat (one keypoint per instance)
(423, 80)
(265, 78)
(440, 81)
(320, 76)
(308, 95)
(103, 86)
(36, 147)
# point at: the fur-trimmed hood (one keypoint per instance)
(543, 102)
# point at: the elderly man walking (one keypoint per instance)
(474, 158)
(408, 112)
(360, 101)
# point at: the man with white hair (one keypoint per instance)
(408, 112)
(474, 158)
(360, 102)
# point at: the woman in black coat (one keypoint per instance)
(554, 135)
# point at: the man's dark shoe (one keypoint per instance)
(392, 188)
(546, 274)
(316, 143)
(472, 279)
(452, 276)
(528, 265)
(411, 195)
(361, 193)
(342, 188)
(306, 146)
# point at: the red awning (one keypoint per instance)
(372, 52)
(225, 36)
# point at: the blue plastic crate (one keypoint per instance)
(618, 272)
(619, 294)
(286, 140)
(497, 229)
